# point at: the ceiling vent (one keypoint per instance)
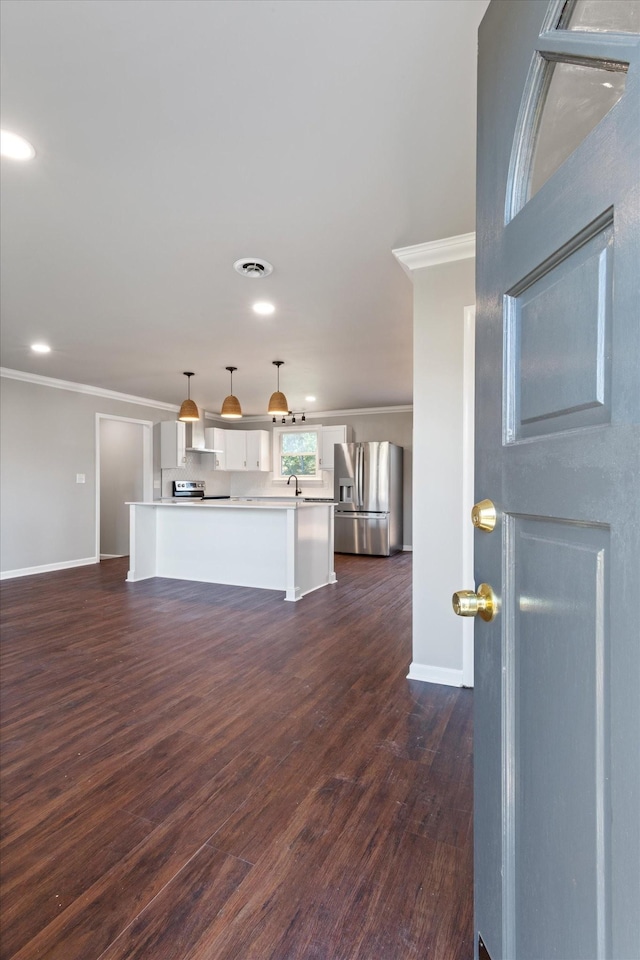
(253, 267)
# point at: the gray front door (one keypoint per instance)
(557, 762)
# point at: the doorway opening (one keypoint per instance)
(124, 473)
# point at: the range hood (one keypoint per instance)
(194, 436)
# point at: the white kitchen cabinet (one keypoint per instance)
(258, 450)
(236, 448)
(172, 444)
(247, 450)
(243, 450)
(215, 438)
(331, 435)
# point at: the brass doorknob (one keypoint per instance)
(467, 603)
(484, 515)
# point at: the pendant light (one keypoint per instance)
(231, 409)
(278, 404)
(188, 410)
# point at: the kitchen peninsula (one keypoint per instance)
(274, 544)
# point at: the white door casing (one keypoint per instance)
(147, 463)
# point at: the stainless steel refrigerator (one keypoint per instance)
(368, 495)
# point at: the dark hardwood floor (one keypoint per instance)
(200, 772)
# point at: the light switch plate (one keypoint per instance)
(81, 478)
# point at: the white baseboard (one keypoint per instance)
(408, 547)
(111, 556)
(444, 675)
(47, 568)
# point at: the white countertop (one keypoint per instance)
(248, 504)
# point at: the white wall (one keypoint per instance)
(121, 473)
(47, 436)
(440, 294)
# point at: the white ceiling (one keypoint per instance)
(175, 136)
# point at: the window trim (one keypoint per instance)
(278, 431)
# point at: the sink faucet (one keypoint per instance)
(293, 477)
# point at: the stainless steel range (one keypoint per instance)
(188, 489)
(193, 490)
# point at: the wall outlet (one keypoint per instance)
(156, 484)
(81, 478)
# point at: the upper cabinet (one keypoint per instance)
(330, 436)
(239, 450)
(236, 449)
(258, 450)
(242, 449)
(172, 444)
(214, 439)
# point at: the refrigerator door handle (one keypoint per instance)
(360, 475)
(356, 478)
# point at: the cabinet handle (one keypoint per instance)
(257, 463)
(245, 463)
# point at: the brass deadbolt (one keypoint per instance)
(467, 603)
(484, 515)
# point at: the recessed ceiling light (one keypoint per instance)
(15, 147)
(310, 399)
(608, 85)
(263, 308)
(40, 348)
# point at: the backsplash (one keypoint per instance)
(261, 485)
(217, 481)
(249, 484)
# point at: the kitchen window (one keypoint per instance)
(296, 450)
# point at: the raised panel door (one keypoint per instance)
(557, 672)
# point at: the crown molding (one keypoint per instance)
(84, 388)
(161, 405)
(320, 414)
(420, 255)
